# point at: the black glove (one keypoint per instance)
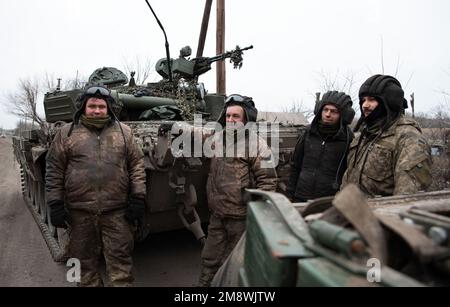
(58, 214)
(164, 128)
(135, 211)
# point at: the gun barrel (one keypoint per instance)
(144, 102)
(227, 54)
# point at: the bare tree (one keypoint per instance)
(299, 107)
(446, 92)
(23, 102)
(23, 125)
(436, 128)
(441, 116)
(142, 70)
(438, 118)
(439, 137)
(396, 71)
(75, 83)
(50, 82)
(338, 82)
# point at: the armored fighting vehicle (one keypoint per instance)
(175, 185)
(345, 241)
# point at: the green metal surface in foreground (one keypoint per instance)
(272, 250)
(319, 272)
(275, 256)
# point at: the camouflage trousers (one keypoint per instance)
(110, 235)
(223, 235)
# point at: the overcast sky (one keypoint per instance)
(296, 43)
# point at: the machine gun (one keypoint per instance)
(203, 64)
(192, 68)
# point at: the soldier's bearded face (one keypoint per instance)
(96, 108)
(368, 105)
(330, 114)
(235, 114)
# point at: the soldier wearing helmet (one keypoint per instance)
(228, 178)
(95, 186)
(320, 156)
(389, 155)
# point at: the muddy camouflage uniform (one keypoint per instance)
(389, 155)
(398, 163)
(94, 172)
(227, 181)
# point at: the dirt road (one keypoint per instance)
(24, 258)
(171, 259)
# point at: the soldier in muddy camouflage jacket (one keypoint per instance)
(389, 155)
(95, 184)
(228, 178)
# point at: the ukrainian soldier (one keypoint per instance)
(389, 155)
(320, 157)
(95, 184)
(229, 176)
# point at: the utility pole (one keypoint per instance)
(412, 101)
(220, 47)
(204, 28)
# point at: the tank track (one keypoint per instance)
(56, 252)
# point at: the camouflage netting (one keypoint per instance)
(187, 102)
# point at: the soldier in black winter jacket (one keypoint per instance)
(320, 157)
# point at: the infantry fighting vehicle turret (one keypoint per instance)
(175, 186)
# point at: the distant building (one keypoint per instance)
(285, 118)
(439, 140)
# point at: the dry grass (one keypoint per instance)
(441, 173)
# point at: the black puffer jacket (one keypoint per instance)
(318, 163)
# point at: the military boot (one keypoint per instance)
(206, 277)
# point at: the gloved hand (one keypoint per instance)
(164, 128)
(135, 211)
(58, 214)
